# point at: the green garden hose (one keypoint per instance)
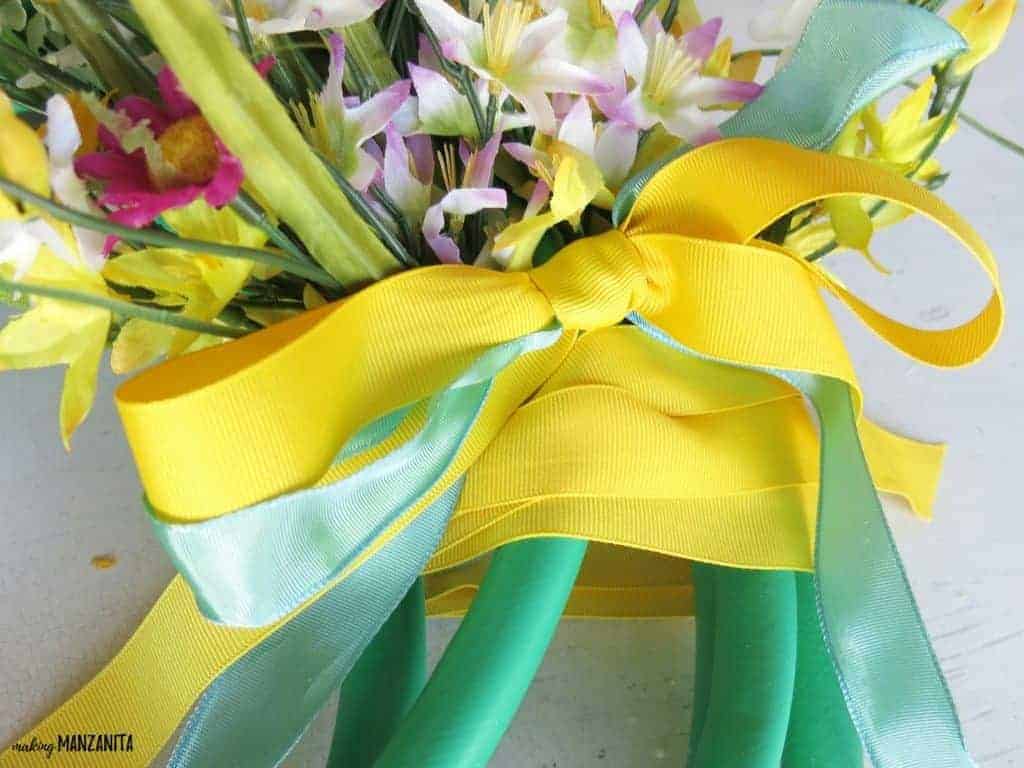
(752, 667)
(480, 681)
(382, 686)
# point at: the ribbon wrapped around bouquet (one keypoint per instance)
(644, 389)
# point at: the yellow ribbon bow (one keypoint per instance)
(607, 435)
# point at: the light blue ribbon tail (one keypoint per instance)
(893, 686)
(256, 565)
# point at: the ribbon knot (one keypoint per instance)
(596, 281)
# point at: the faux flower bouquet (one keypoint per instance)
(445, 291)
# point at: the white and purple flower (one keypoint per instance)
(514, 51)
(665, 84)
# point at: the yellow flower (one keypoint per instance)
(897, 143)
(983, 25)
(52, 331)
(574, 183)
(200, 284)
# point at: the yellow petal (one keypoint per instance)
(848, 140)
(311, 297)
(267, 316)
(139, 343)
(983, 26)
(59, 333)
(23, 158)
(850, 221)
(906, 116)
(745, 66)
(718, 63)
(525, 230)
(80, 379)
(577, 182)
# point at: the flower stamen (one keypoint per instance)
(667, 67)
(446, 163)
(503, 26)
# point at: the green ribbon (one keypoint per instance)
(892, 684)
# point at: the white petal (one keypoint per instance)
(526, 154)
(553, 75)
(450, 25)
(689, 123)
(463, 202)
(372, 115)
(577, 128)
(443, 111)
(365, 172)
(632, 47)
(615, 152)
(537, 35)
(537, 106)
(62, 135)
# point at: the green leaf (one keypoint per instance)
(248, 118)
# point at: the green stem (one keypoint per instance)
(59, 80)
(95, 34)
(386, 236)
(244, 33)
(762, 51)
(944, 127)
(1003, 141)
(249, 210)
(166, 239)
(126, 308)
(987, 132)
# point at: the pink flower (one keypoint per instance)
(160, 156)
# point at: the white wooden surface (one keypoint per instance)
(612, 694)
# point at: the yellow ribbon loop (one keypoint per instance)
(606, 435)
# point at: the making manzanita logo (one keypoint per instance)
(77, 742)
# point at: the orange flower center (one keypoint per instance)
(189, 146)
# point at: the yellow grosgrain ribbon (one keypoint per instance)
(726, 462)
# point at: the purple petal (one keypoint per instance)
(524, 153)
(706, 136)
(226, 181)
(700, 41)
(482, 167)
(426, 57)
(145, 207)
(422, 150)
(108, 165)
(108, 139)
(445, 249)
(372, 115)
(178, 104)
(264, 65)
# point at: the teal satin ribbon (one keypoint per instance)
(894, 689)
(258, 564)
(296, 668)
